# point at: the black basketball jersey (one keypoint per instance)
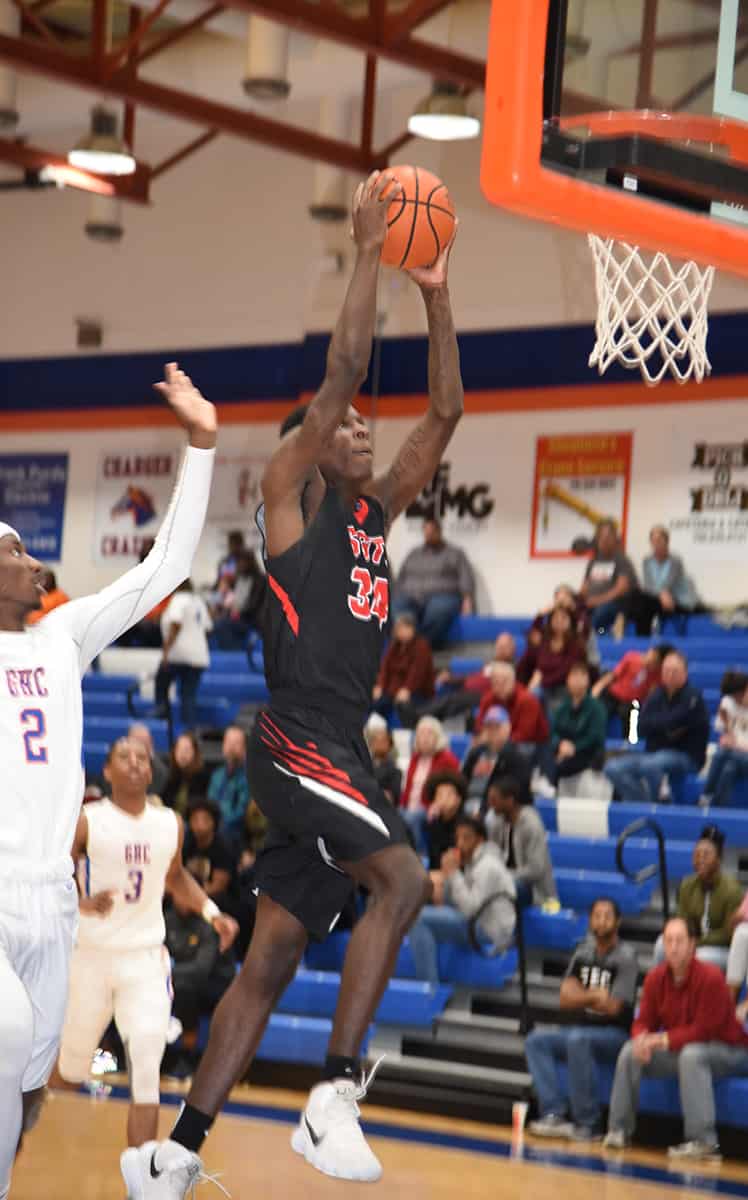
(328, 610)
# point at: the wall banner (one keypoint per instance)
(32, 500)
(579, 479)
(133, 489)
(709, 511)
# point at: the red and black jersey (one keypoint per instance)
(328, 610)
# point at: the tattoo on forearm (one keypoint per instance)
(410, 458)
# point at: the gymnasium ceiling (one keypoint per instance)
(178, 65)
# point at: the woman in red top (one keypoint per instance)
(431, 754)
(544, 667)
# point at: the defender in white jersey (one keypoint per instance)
(41, 728)
(120, 965)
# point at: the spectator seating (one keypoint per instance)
(679, 823)
(661, 1096)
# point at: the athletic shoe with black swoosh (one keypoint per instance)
(162, 1171)
(329, 1135)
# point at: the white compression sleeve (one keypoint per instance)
(16, 1043)
(94, 622)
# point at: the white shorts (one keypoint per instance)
(134, 987)
(38, 925)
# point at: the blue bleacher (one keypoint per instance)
(405, 1001)
(681, 823)
(457, 964)
(585, 853)
(578, 889)
(662, 1097)
(108, 729)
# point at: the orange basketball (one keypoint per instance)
(420, 221)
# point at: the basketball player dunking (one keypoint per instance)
(325, 520)
(41, 732)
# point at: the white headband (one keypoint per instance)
(8, 529)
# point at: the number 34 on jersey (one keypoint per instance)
(371, 600)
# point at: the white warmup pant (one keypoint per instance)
(38, 923)
(134, 987)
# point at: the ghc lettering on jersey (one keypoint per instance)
(24, 683)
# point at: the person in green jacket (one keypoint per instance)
(579, 725)
(709, 897)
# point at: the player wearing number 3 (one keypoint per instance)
(120, 967)
(325, 518)
(41, 733)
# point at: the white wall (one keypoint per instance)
(498, 449)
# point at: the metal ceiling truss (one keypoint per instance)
(87, 62)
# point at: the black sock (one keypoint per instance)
(337, 1066)
(191, 1129)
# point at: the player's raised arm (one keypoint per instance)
(419, 456)
(96, 621)
(347, 363)
(180, 884)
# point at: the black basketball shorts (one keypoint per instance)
(313, 781)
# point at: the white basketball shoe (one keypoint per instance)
(163, 1171)
(329, 1135)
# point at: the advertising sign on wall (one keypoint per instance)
(579, 479)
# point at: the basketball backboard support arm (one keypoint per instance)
(519, 95)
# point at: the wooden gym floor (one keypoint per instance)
(74, 1153)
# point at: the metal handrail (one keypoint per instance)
(525, 1024)
(653, 869)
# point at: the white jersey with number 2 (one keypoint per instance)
(41, 707)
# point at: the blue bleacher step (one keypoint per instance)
(579, 889)
(405, 1002)
(561, 930)
(457, 964)
(94, 756)
(600, 854)
(108, 729)
(290, 1039)
(240, 687)
(662, 1096)
(95, 681)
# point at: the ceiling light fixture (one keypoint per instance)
(102, 150)
(443, 117)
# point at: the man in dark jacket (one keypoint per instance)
(578, 728)
(200, 974)
(675, 724)
(406, 676)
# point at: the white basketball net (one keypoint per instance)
(650, 315)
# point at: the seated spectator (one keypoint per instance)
(53, 597)
(520, 834)
(544, 666)
(431, 753)
(241, 606)
(229, 786)
(406, 676)
(493, 749)
(710, 899)
(445, 793)
(529, 723)
(386, 771)
(666, 589)
(565, 596)
(675, 725)
(631, 681)
(185, 625)
(463, 693)
(226, 570)
(200, 975)
(686, 1027)
(205, 852)
(467, 891)
(599, 989)
(578, 727)
(159, 770)
(730, 760)
(188, 776)
(435, 584)
(609, 580)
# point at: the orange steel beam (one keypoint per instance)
(180, 155)
(99, 34)
(30, 15)
(135, 37)
(414, 15)
(647, 54)
(178, 32)
(33, 56)
(367, 111)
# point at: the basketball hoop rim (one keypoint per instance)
(671, 127)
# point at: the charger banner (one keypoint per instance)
(133, 489)
(579, 479)
(32, 499)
